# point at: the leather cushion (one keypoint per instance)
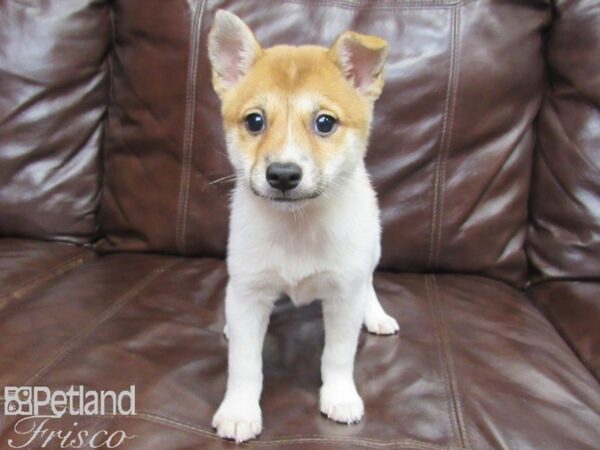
(564, 231)
(475, 364)
(27, 265)
(53, 90)
(573, 307)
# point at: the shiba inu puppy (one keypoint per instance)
(304, 218)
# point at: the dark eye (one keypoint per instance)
(325, 124)
(255, 122)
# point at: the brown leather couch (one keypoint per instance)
(485, 154)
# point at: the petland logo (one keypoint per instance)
(40, 406)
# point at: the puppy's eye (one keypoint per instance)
(325, 124)
(255, 122)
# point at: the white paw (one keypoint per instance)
(226, 332)
(341, 403)
(238, 421)
(381, 324)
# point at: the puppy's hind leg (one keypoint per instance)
(376, 320)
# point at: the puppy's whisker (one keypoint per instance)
(225, 179)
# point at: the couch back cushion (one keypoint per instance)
(564, 235)
(53, 86)
(451, 147)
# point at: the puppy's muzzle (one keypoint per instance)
(284, 176)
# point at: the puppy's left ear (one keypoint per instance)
(360, 57)
(232, 50)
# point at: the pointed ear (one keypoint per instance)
(361, 58)
(232, 50)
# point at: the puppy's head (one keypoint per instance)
(296, 119)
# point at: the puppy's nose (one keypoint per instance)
(284, 176)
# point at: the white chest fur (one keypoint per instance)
(305, 253)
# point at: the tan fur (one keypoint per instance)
(291, 86)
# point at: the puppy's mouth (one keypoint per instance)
(286, 197)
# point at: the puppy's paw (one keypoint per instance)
(238, 421)
(341, 403)
(380, 323)
(226, 332)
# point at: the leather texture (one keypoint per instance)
(564, 233)
(573, 307)
(475, 365)
(165, 151)
(53, 87)
(485, 154)
(27, 265)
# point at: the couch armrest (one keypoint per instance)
(564, 233)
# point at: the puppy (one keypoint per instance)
(304, 218)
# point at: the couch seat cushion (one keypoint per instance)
(475, 365)
(573, 307)
(26, 264)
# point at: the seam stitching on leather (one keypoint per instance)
(449, 363)
(110, 103)
(443, 377)
(440, 164)
(365, 442)
(455, 74)
(181, 194)
(192, 124)
(188, 136)
(109, 312)
(48, 275)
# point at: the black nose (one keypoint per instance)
(284, 176)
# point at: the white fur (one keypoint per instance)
(325, 250)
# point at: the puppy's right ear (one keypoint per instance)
(232, 50)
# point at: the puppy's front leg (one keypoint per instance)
(247, 315)
(342, 316)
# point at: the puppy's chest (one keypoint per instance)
(312, 258)
(303, 270)
(297, 259)
(313, 287)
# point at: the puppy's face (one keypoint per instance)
(297, 119)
